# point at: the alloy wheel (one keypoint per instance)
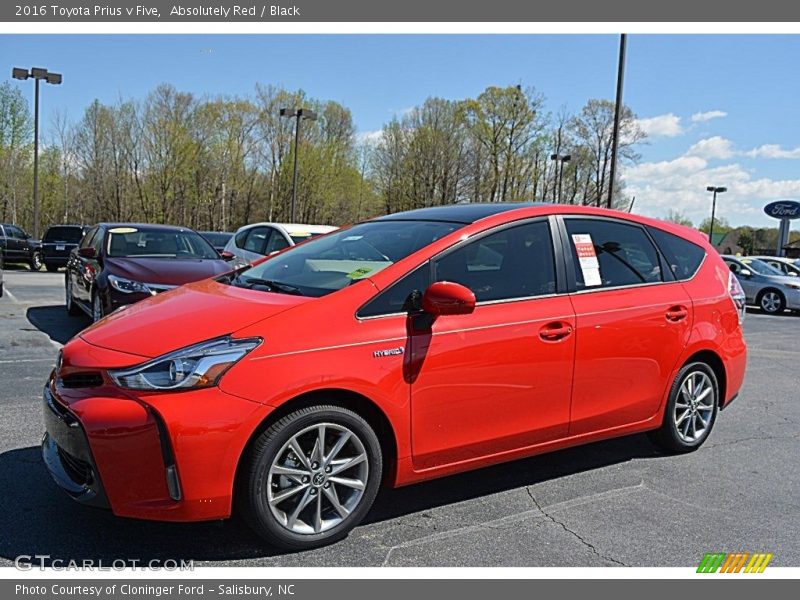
(694, 406)
(317, 479)
(68, 294)
(771, 302)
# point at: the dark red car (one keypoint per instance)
(405, 348)
(117, 264)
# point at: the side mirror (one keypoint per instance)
(225, 255)
(745, 272)
(448, 298)
(88, 252)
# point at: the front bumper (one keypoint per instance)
(67, 455)
(170, 457)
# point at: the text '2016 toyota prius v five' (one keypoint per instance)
(408, 347)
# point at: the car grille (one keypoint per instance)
(82, 380)
(78, 470)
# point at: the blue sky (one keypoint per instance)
(744, 91)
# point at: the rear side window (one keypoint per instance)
(611, 254)
(683, 256)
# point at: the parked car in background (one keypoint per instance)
(787, 266)
(57, 243)
(17, 246)
(117, 264)
(764, 286)
(218, 239)
(258, 240)
(398, 350)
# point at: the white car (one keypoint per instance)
(255, 241)
(787, 266)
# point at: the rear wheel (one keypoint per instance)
(310, 477)
(771, 302)
(36, 261)
(691, 409)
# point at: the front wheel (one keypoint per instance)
(310, 477)
(691, 409)
(97, 307)
(36, 261)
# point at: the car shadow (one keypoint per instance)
(54, 322)
(38, 519)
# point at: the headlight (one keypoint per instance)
(127, 286)
(194, 367)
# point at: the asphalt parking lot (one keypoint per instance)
(619, 502)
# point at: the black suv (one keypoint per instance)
(58, 242)
(17, 246)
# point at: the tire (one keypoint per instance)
(262, 497)
(36, 261)
(72, 308)
(674, 433)
(50, 268)
(97, 307)
(771, 302)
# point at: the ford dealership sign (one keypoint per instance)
(783, 209)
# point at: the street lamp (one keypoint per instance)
(715, 190)
(37, 74)
(559, 173)
(299, 114)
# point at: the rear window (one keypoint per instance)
(683, 256)
(71, 235)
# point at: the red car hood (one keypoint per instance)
(184, 316)
(166, 272)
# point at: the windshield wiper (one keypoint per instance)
(273, 286)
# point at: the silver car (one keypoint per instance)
(786, 266)
(765, 286)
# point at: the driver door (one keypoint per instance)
(499, 379)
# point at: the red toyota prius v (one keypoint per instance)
(404, 348)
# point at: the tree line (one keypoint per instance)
(216, 163)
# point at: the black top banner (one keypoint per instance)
(154, 11)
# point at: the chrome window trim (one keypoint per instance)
(464, 242)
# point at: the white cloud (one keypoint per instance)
(680, 184)
(370, 137)
(701, 117)
(668, 125)
(713, 147)
(774, 151)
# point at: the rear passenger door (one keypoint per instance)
(633, 320)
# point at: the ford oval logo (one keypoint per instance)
(783, 209)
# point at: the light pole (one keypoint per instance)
(299, 114)
(559, 173)
(623, 39)
(38, 75)
(715, 190)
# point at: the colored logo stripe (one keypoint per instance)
(733, 563)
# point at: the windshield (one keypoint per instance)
(761, 267)
(71, 235)
(329, 263)
(143, 242)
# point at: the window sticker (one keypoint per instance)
(587, 258)
(359, 273)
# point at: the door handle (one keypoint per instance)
(677, 313)
(554, 332)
